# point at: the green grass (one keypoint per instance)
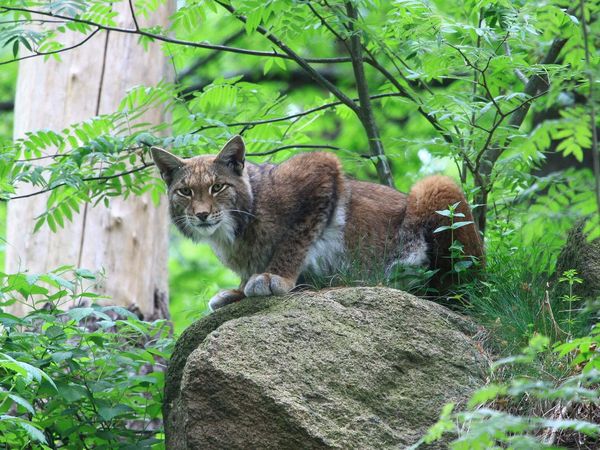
(514, 298)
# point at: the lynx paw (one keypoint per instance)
(224, 298)
(267, 284)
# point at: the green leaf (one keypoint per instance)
(442, 228)
(78, 314)
(21, 401)
(84, 273)
(110, 412)
(71, 392)
(457, 225)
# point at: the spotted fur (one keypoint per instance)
(272, 223)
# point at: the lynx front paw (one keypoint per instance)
(267, 284)
(224, 298)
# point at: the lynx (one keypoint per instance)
(273, 223)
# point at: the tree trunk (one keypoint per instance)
(128, 240)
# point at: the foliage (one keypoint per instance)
(480, 427)
(195, 275)
(492, 91)
(461, 82)
(86, 377)
(515, 297)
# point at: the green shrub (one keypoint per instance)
(502, 415)
(85, 377)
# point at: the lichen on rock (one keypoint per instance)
(342, 368)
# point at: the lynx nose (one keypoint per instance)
(202, 216)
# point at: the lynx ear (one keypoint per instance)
(167, 163)
(233, 154)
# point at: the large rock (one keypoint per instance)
(345, 368)
(583, 256)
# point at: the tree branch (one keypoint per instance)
(174, 41)
(207, 59)
(53, 52)
(491, 153)
(304, 63)
(294, 78)
(287, 147)
(431, 119)
(365, 113)
(328, 26)
(535, 84)
(135, 22)
(85, 180)
(291, 116)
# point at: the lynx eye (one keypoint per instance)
(216, 188)
(184, 192)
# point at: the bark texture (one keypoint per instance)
(344, 368)
(129, 239)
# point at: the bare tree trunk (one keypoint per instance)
(128, 240)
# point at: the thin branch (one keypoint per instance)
(328, 26)
(53, 52)
(538, 82)
(146, 165)
(287, 147)
(29, 21)
(535, 84)
(293, 78)
(497, 124)
(203, 61)
(85, 180)
(174, 41)
(491, 153)
(246, 125)
(292, 116)
(404, 93)
(40, 158)
(135, 22)
(302, 62)
(365, 113)
(372, 61)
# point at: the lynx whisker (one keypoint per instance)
(180, 220)
(240, 211)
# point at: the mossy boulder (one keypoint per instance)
(583, 255)
(342, 368)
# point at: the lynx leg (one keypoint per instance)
(288, 260)
(320, 188)
(225, 298)
(268, 284)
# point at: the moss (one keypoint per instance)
(583, 256)
(353, 367)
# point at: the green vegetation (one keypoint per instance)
(501, 95)
(77, 376)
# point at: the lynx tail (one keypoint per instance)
(433, 194)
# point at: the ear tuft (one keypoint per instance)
(167, 163)
(233, 154)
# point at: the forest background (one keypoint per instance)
(500, 95)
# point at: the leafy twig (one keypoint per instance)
(171, 40)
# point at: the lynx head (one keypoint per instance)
(209, 196)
